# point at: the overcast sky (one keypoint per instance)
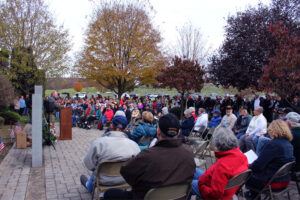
(209, 15)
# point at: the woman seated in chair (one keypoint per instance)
(211, 184)
(275, 153)
(144, 130)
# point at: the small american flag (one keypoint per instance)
(12, 133)
(2, 146)
(18, 128)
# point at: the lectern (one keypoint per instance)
(66, 123)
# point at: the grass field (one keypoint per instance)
(207, 90)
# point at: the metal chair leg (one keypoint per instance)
(289, 195)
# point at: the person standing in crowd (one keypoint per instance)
(190, 102)
(127, 112)
(237, 105)
(22, 105)
(256, 102)
(268, 108)
(17, 105)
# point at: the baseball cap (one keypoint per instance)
(216, 112)
(169, 125)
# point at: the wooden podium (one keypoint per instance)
(66, 123)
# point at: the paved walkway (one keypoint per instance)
(59, 178)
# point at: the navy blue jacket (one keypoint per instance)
(274, 155)
(186, 126)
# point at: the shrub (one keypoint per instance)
(10, 117)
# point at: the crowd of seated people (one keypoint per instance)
(237, 125)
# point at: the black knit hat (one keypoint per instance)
(169, 125)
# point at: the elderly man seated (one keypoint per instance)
(228, 120)
(168, 162)
(242, 123)
(187, 123)
(256, 128)
(230, 162)
(113, 145)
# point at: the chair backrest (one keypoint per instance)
(201, 129)
(109, 168)
(200, 149)
(282, 171)
(239, 179)
(170, 192)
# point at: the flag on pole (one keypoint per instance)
(12, 133)
(2, 146)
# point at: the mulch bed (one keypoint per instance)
(5, 151)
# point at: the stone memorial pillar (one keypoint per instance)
(37, 131)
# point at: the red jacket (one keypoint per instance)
(109, 114)
(213, 182)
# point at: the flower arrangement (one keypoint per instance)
(49, 133)
(53, 135)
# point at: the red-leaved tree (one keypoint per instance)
(282, 74)
(184, 75)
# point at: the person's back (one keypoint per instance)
(144, 129)
(275, 154)
(229, 164)
(168, 162)
(113, 146)
(211, 184)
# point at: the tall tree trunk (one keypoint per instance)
(182, 105)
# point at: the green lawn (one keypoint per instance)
(207, 90)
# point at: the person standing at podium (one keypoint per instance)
(51, 106)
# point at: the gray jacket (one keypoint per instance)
(114, 145)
